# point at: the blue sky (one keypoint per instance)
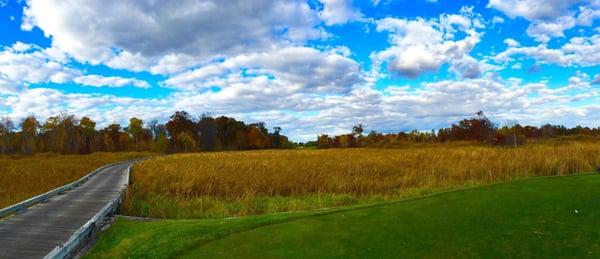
(311, 67)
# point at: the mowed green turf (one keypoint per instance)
(539, 218)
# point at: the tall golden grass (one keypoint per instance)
(251, 182)
(22, 177)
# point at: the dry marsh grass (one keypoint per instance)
(22, 177)
(253, 182)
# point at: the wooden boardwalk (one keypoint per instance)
(42, 227)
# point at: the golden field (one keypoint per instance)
(22, 177)
(253, 182)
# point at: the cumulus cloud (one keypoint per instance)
(497, 20)
(533, 9)
(511, 42)
(111, 81)
(550, 18)
(545, 30)
(24, 64)
(579, 51)
(294, 69)
(138, 34)
(540, 53)
(469, 67)
(420, 46)
(44, 102)
(339, 12)
(596, 79)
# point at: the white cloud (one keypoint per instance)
(339, 12)
(497, 20)
(173, 63)
(20, 67)
(596, 79)
(584, 51)
(420, 46)
(138, 34)
(126, 60)
(340, 50)
(511, 42)
(533, 9)
(468, 67)
(110, 81)
(545, 30)
(540, 53)
(43, 103)
(8, 87)
(298, 69)
(549, 18)
(24, 64)
(21, 47)
(579, 51)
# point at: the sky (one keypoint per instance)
(311, 67)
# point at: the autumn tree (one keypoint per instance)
(113, 133)
(258, 136)
(187, 141)
(276, 137)
(207, 132)
(6, 135)
(135, 129)
(160, 136)
(345, 140)
(323, 141)
(357, 132)
(180, 122)
(88, 128)
(49, 135)
(68, 134)
(29, 131)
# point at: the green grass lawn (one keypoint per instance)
(539, 218)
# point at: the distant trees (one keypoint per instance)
(180, 125)
(29, 130)
(323, 141)
(477, 128)
(207, 133)
(88, 128)
(135, 130)
(65, 134)
(6, 135)
(221, 133)
(357, 130)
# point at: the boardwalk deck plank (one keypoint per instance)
(36, 231)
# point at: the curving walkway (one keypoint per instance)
(42, 227)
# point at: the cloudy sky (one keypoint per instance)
(311, 67)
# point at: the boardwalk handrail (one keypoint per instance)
(88, 229)
(16, 208)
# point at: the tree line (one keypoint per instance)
(477, 128)
(66, 134)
